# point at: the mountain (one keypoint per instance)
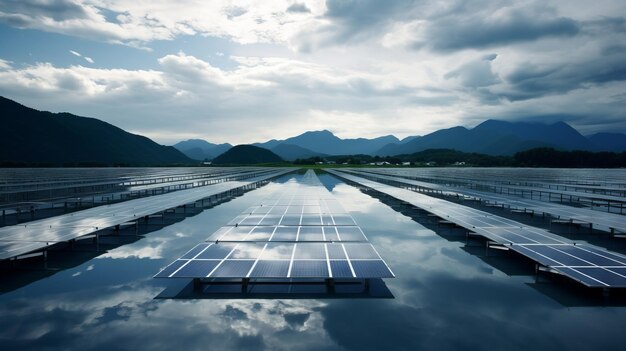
(615, 142)
(30, 136)
(199, 149)
(496, 138)
(246, 154)
(325, 142)
(291, 152)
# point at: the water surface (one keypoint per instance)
(447, 296)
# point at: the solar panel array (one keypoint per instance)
(590, 189)
(302, 231)
(600, 220)
(590, 265)
(21, 239)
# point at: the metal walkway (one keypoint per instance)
(18, 240)
(587, 264)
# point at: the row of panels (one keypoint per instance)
(277, 269)
(288, 233)
(282, 251)
(590, 265)
(293, 220)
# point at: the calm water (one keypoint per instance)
(447, 296)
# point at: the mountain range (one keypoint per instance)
(32, 137)
(36, 137)
(492, 137)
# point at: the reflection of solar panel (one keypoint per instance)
(300, 232)
(590, 265)
(24, 238)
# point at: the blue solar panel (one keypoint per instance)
(270, 269)
(604, 275)
(277, 251)
(233, 269)
(290, 220)
(360, 251)
(216, 252)
(309, 269)
(335, 252)
(256, 245)
(285, 234)
(170, 269)
(308, 219)
(310, 251)
(592, 257)
(341, 269)
(247, 251)
(371, 269)
(193, 252)
(555, 254)
(195, 269)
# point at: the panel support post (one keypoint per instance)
(244, 285)
(330, 285)
(197, 285)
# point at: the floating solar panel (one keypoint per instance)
(21, 239)
(301, 232)
(589, 265)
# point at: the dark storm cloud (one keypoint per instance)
(457, 32)
(58, 10)
(531, 80)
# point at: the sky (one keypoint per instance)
(250, 71)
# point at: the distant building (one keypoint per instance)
(406, 163)
(459, 163)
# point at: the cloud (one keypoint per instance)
(348, 66)
(504, 26)
(476, 73)
(57, 10)
(289, 92)
(533, 80)
(137, 25)
(75, 53)
(298, 8)
(5, 64)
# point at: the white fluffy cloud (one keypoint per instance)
(358, 68)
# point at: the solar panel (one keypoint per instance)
(299, 232)
(23, 238)
(585, 263)
(600, 220)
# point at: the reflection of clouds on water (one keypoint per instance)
(151, 248)
(343, 192)
(126, 317)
